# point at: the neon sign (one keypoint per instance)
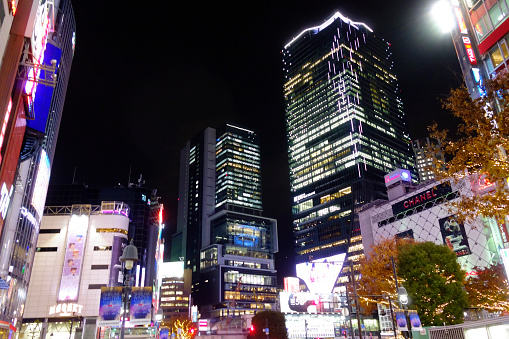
(470, 51)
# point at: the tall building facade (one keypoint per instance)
(35, 70)
(144, 223)
(423, 161)
(345, 127)
(221, 235)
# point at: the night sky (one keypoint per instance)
(147, 78)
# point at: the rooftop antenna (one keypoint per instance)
(129, 180)
(74, 175)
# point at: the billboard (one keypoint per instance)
(320, 275)
(173, 269)
(119, 243)
(73, 258)
(40, 100)
(401, 320)
(141, 305)
(454, 236)
(415, 321)
(41, 184)
(110, 306)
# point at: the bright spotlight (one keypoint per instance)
(443, 15)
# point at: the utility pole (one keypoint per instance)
(355, 300)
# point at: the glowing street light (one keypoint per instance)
(443, 15)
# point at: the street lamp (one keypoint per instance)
(159, 315)
(403, 298)
(128, 258)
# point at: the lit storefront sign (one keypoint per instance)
(422, 198)
(461, 20)
(4, 126)
(470, 51)
(65, 310)
(5, 199)
(398, 175)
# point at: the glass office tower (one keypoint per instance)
(346, 129)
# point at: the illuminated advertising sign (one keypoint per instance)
(397, 175)
(173, 269)
(41, 184)
(306, 302)
(39, 104)
(470, 51)
(422, 198)
(461, 20)
(141, 305)
(110, 306)
(291, 284)
(4, 127)
(320, 275)
(401, 320)
(454, 236)
(65, 310)
(119, 243)
(73, 258)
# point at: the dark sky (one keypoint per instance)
(147, 77)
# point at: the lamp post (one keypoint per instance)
(128, 258)
(403, 298)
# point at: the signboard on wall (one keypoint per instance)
(454, 235)
(73, 258)
(422, 198)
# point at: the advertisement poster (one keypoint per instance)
(141, 305)
(110, 306)
(119, 243)
(320, 275)
(415, 321)
(454, 236)
(73, 258)
(164, 333)
(401, 320)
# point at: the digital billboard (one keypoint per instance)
(41, 184)
(173, 269)
(320, 275)
(73, 258)
(40, 100)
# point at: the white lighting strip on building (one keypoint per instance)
(327, 23)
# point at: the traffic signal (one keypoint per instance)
(252, 329)
(192, 330)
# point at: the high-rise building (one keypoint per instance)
(35, 70)
(175, 289)
(424, 162)
(221, 235)
(345, 126)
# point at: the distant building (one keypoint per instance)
(175, 289)
(221, 235)
(345, 125)
(77, 253)
(424, 163)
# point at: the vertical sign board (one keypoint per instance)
(41, 184)
(119, 243)
(401, 320)
(504, 253)
(163, 334)
(415, 321)
(454, 236)
(141, 305)
(73, 258)
(110, 306)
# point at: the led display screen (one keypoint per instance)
(173, 269)
(320, 275)
(248, 236)
(41, 184)
(73, 258)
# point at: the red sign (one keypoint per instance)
(419, 199)
(470, 51)
(461, 21)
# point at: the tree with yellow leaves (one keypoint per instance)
(377, 276)
(477, 150)
(181, 327)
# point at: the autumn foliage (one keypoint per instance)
(488, 289)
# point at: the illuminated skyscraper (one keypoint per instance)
(221, 234)
(346, 129)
